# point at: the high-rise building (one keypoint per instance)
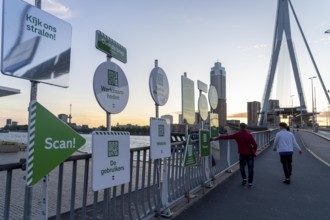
(218, 80)
(168, 117)
(63, 117)
(8, 122)
(253, 109)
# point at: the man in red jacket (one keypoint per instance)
(247, 148)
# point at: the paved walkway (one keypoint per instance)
(306, 198)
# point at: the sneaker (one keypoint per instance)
(244, 182)
(250, 185)
(286, 181)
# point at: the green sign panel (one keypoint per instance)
(214, 124)
(204, 142)
(189, 154)
(51, 142)
(110, 47)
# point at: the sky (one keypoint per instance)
(184, 36)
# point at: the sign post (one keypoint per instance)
(27, 32)
(160, 146)
(204, 135)
(110, 89)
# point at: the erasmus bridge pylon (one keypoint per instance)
(282, 26)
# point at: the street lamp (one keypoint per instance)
(292, 111)
(311, 78)
(301, 121)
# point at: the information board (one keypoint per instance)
(110, 159)
(111, 87)
(35, 44)
(204, 142)
(189, 154)
(158, 85)
(188, 100)
(160, 138)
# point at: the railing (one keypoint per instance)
(71, 197)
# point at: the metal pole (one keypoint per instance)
(311, 78)
(301, 121)
(292, 111)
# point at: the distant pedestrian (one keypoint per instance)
(283, 144)
(247, 148)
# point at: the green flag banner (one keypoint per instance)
(189, 154)
(50, 142)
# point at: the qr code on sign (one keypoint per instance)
(113, 148)
(112, 78)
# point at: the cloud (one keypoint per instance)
(55, 8)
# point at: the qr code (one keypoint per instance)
(112, 78)
(113, 148)
(161, 130)
(160, 80)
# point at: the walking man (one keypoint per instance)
(247, 148)
(283, 144)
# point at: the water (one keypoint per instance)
(21, 137)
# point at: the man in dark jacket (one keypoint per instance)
(247, 148)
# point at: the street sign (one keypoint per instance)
(203, 107)
(189, 154)
(201, 86)
(213, 97)
(110, 159)
(110, 87)
(160, 138)
(188, 100)
(204, 142)
(110, 47)
(51, 142)
(35, 44)
(158, 85)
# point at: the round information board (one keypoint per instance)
(213, 97)
(158, 85)
(202, 107)
(110, 87)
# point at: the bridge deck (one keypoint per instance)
(307, 197)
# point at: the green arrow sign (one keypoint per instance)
(51, 142)
(189, 154)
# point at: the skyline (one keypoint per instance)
(185, 36)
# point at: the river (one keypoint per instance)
(21, 137)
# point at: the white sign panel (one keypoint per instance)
(35, 44)
(160, 138)
(158, 85)
(110, 159)
(110, 87)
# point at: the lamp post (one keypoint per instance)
(311, 78)
(301, 120)
(292, 111)
(328, 117)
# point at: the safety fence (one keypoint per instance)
(155, 185)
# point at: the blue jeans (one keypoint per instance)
(246, 159)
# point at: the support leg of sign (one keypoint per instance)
(209, 183)
(166, 212)
(44, 203)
